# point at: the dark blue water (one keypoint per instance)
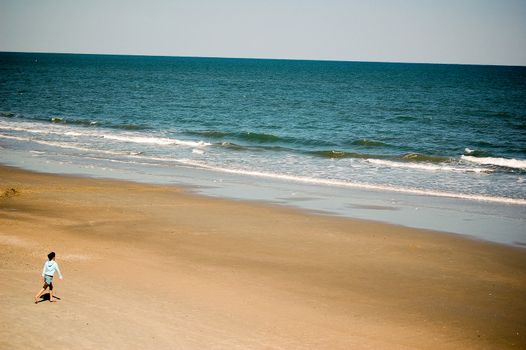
(444, 130)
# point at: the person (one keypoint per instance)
(48, 272)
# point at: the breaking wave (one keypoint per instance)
(343, 183)
(500, 162)
(155, 140)
(427, 166)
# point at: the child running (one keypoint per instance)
(48, 271)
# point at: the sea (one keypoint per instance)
(434, 146)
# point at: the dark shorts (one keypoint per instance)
(48, 282)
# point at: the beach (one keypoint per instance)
(352, 176)
(158, 267)
(392, 142)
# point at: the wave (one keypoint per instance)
(343, 183)
(247, 136)
(92, 123)
(406, 158)
(7, 114)
(408, 161)
(418, 157)
(426, 166)
(368, 143)
(475, 153)
(341, 154)
(500, 162)
(262, 140)
(286, 177)
(155, 140)
(234, 146)
(258, 137)
(255, 148)
(77, 121)
(63, 145)
(76, 147)
(35, 128)
(128, 126)
(84, 122)
(210, 133)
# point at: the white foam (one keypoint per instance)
(129, 137)
(75, 147)
(30, 129)
(425, 166)
(155, 140)
(502, 162)
(60, 145)
(72, 133)
(52, 129)
(13, 137)
(342, 183)
(58, 129)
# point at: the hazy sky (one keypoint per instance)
(446, 31)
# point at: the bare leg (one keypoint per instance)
(39, 294)
(51, 295)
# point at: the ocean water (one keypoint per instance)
(438, 131)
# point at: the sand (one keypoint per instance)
(157, 267)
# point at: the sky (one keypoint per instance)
(434, 31)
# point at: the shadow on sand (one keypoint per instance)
(45, 297)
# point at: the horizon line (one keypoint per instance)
(264, 58)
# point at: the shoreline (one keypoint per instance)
(194, 191)
(494, 222)
(155, 266)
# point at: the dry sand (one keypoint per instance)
(154, 267)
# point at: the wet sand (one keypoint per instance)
(155, 267)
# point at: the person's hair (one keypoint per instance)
(51, 255)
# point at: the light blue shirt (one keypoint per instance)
(50, 267)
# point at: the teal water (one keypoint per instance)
(433, 146)
(447, 130)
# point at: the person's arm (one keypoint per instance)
(44, 270)
(58, 270)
